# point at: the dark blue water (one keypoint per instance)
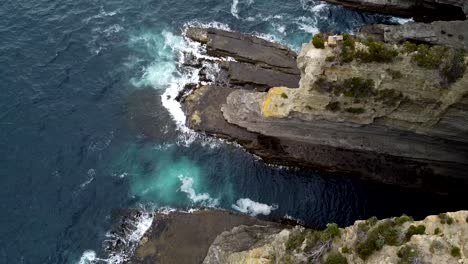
(79, 136)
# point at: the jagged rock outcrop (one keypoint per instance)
(407, 125)
(420, 10)
(447, 33)
(436, 239)
(250, 62)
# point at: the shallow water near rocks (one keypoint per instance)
(85, 128)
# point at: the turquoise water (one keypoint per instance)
(76, 142)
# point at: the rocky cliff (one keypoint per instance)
(392, 113)
(436, 239)
(220, 237)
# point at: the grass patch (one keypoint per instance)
(318, 41)
(414, 230)
(407, 255)
(335, 258)
(455, 252)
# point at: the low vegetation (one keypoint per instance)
(445, 219)
(455, 252)
(384, 233)
(448, 61)
(389, 97)
(407, 255)
(414, 230)
(335, 258)
(318, 41)
(283, 95)
(376, 52)
(403, 219)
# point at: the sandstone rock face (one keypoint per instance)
(420, 10)
(447, 33)
(441, 239)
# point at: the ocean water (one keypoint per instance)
(88, 124)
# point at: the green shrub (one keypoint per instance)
(454, 66)
(348, 41)
(445, 219)
(295, 240)
(333, 106)
(385, 233)
(407, 255)
(403, 219)
(358, 87)
(437, 231)
(285, 96)
(335, 258)
(377, 52)
(429, 58)
(410, 47)
(331, 231)
(330, 58)
(372, 221)
(318, 41)
(355, 110)
(414, 230)
(455, 252)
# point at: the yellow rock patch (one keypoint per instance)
(275, 101)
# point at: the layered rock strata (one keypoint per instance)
(408, 129)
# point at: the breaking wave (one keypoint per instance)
(203, 199)
(247, 206)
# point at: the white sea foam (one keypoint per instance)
(197, 198)
(247, 206)
(400, 20)
(88, 257)
(307, 24)
(234, 10)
